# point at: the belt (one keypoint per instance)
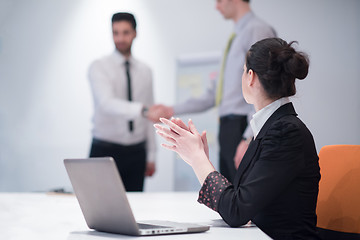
(232, 117)
(110, 144)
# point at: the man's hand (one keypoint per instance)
(158, 111)
(240, 152)
(150, 169)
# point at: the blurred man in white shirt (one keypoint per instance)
(122, 91)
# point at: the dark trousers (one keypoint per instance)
(130, 161)
(231, 131)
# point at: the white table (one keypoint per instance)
(49, 216)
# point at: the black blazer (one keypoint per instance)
(276, 185)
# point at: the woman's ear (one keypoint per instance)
(251, 78)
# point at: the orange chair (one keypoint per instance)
(338, 206)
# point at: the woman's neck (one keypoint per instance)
(262, 102)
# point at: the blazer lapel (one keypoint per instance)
(286, 109)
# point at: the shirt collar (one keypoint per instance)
(239, 25)
(260, 117)
(120, 58)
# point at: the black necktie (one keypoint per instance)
(131, 123)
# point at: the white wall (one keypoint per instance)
(47, 46)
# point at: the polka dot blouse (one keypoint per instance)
(213, 187)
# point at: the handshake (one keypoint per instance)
(158, 111)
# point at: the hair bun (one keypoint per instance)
(277, 64)
(294, 63)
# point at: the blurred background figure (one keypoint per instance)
(122, 89)
(234, 112)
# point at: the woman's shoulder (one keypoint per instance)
(289, 128)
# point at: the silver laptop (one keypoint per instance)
(103, 202)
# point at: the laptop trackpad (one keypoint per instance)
(187, 227)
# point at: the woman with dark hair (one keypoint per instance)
(276, 184)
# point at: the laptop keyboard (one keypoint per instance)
(149, 226)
